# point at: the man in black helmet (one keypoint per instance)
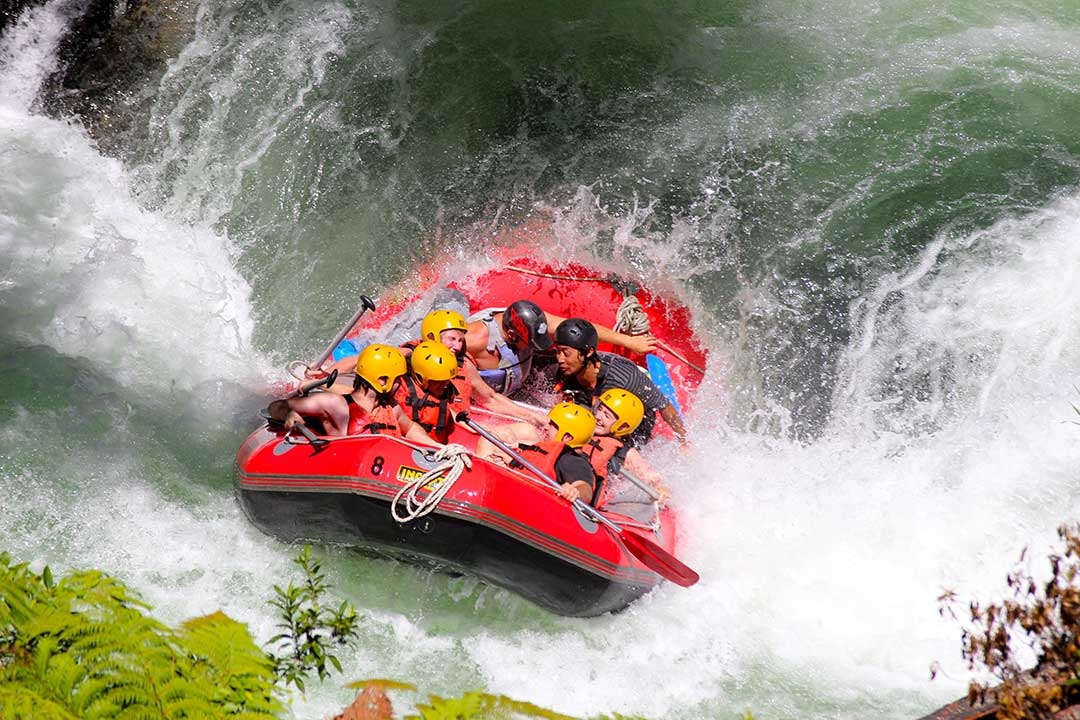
(586, 373)
(503, 340)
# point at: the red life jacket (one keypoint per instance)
(543, 455)
(606, 455)
(436, 415)
(380, 421)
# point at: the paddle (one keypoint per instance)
(660, 376)
(641, 484)
(649, 553)
(305, 388)
(366, 304)
(670, 351)
(316, 442)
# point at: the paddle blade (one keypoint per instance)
(661, 377)
(658, 559)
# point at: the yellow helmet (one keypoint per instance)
(574, 420)
(438, 320)
(627, 408)
(380, 366)
(431, 360)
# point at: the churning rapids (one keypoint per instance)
(872, 210)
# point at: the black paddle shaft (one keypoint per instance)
(366, 304)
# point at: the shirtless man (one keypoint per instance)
(502, 342)
(369, 408)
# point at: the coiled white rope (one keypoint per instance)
(631, 318)
(455, 458)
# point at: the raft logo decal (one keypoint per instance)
(408, 474)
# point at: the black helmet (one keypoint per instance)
(577, 333)
(528, 322)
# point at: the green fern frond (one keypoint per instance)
(192, 707)
(479, 704)
(226, 644)
(137, 712)
(468, 705)
(382, 683)
(85, 647)
(18, 588)
(529, 709)
(92, 692)
(128, 694)
(222, 651)
(98, 592)
(18, 702)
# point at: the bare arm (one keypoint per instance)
(579, 490)
(641, 469)
(411, 430)
(671, 417)
(329, 408)
(279, 410)
(510, 435)
(484, 395)
(639, 344)
(571, 471)
(346, 368)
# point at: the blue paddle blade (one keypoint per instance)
(662, 379)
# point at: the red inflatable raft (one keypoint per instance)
(506, 526)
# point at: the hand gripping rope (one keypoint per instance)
(632, 319)
(454, 459)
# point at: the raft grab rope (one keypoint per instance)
(631, 318)
(453, 459)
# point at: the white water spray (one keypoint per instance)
(950, 446)
(155, 301)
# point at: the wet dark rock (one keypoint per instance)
(10, 10)
(111, 62)
(986, 705)
(963, 710)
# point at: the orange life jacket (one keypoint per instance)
(545, 455)
(463, 400)
(606, 455)
(434, 414)
(380, 421)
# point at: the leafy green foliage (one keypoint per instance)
(229, 661)
(84, 648)
(308, 629)
(480, 705)
(1043, 615)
